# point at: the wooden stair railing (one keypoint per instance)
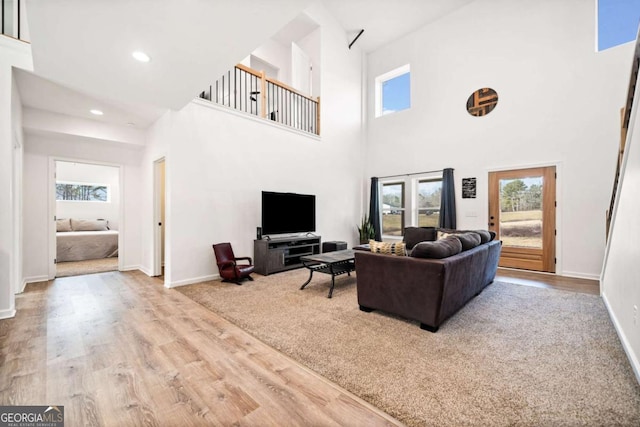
(625, 117)
(250, 91)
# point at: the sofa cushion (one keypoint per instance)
(415, 235)
(63, 224)
(396, 248)
(89, 224)
(469, 240)
(485, 236)
(439, 249)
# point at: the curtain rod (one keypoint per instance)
(409, 174)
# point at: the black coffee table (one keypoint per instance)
(333, 263)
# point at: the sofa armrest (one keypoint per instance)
(409, 287)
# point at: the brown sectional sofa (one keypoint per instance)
(427, 290)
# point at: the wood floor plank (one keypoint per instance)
(546, 280)
(120, 349)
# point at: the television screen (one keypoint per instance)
(288, 213)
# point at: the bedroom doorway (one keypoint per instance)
(87, 218)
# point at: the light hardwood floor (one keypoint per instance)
(546, 280)
(119, 349)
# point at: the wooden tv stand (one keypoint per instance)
(281, 254)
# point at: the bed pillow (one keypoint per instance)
(89, 224)
(63, 224)
(388, 248)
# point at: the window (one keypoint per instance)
(412, 201)
(392, 209)
(393, 91)
(617, 22)
(72, 191)
(428, 202)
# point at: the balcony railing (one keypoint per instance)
(250, 91)
(11, 19)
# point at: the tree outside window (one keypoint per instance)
(82, 192)
(428, 201)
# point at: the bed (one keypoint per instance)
(81, 239)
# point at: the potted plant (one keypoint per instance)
(366, 230)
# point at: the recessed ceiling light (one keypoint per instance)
(97, 112)
(141, 56)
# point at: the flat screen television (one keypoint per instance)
(288, 213)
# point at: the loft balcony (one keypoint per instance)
(252, 92)
(13, 22)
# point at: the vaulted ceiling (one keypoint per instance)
(82, 48)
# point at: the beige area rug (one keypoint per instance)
(76, 268)
(515, 355)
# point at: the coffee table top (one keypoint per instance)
(331, 257)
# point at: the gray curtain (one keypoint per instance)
(374, 209)
(448, 201)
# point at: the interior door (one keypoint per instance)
(522, 213)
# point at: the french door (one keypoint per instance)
(522, 213)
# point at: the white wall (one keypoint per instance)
(559, 103)
(219, 162)
(18, 54)
(621, 272)
(39, 150)
(90, 174)
(18, 153)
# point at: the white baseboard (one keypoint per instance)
(192, 281)
(132, 268)
(580, 275)
(7, 314)
(633, 358)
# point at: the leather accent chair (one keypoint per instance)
(230, 270)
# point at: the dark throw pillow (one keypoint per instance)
(439, 249)
(415, 235)
(485, 236)
(469, 240)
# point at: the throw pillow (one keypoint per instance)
(439, 249)
(485, 236)
(63, 224)
(415, 235)
(89, 225)
(469, 240)
(388, 248)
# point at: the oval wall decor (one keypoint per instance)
(482, 102)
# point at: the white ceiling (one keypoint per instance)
(85, 46)
(37, 92)
(386, 20)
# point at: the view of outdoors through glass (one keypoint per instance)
(393, 209)
(521, 212)
(82, 192)
(396, 94)
(429, 195)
